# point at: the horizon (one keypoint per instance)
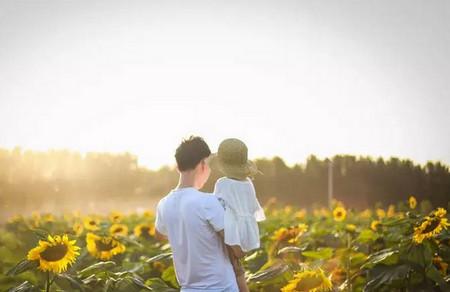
(288, 163)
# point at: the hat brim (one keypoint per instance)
(248, 169)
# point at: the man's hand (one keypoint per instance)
(236, 249)
(159, 236)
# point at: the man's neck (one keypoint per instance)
(186, 180)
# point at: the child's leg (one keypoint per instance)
(238, 271)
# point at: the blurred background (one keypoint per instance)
(96, 95)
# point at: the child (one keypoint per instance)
(242, 209)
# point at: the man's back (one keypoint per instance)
(190, 219)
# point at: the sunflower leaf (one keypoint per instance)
(320, 254)
(269, 273)
(24, 287)
(22, 266)
(159, 257)
(100, 266)
(74, 282)
(41, 233)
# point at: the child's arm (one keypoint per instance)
(236, 249)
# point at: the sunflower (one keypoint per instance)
(55, 253)
(350, 228)
(441, 265)
(103, 247)
(431, 225)
(115, 217)
(380, 213)
(118, 229)
(367, 213)
(78, 228)
(391, 211)
(300, 214)
(375, 225)
(91, 223)
(338, 276)
(149, 214)
(144, 230)
(339, 213)
(291, 234)
(412, 202)
(312, 281)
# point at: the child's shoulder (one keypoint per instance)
(226, 180)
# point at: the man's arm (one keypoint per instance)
(236, 249)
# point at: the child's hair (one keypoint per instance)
(190, 152)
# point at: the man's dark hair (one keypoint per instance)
(190, 152)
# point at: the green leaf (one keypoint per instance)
(100, 266)
(22, 266)
(433, 274)
(41, 233)
(289, 249)
(385, 256)
(159, 285)
(367, 236)
(159, 257)
(24, 287)
(320, 254)
(382, 275)
(74, 283)
(169, 276)
(271, 272)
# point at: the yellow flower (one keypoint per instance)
(300, 214)
(442, 266)
(118, 229)
(391, 211)
(91, 223)
(144, 230)
(431, 226)
(55, 253)
(291, 234)
(380, 213)
(149, 214)
(367, 213)
(78, 228)
(115, 217)
(103, 247)
(48, 218)
(288, 210)
(350, 227)
(375, 225)
(412, 202)
(312, 281)
(339, 213)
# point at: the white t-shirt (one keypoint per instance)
(190, 219)
(242, 212)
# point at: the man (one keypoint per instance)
(193, 223)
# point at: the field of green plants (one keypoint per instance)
(403, 247)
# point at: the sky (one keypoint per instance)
(289, 78)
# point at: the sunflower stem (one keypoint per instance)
(47, 284)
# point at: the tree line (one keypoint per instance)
(61, 177)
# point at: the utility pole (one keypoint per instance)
(330, 183)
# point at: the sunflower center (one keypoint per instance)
(104, 246)
(433, 224)
(119, 229)
(92, 222)
(54, 253)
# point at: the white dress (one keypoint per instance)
(242, 212)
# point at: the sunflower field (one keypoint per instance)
(403, 247)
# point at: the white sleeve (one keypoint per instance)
(159, 222)
(258, 211)
(214, 213)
